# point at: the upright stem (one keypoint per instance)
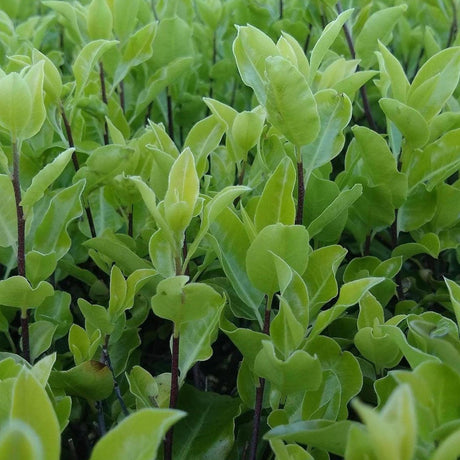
(21, 247)
(122, 96)
(300, 188)
(454, 26)
(170, 114)
(168, 447)
(104, 100)
(108, 363)
(260, 391)
(76, 166)
(362, 90)
(281, 8)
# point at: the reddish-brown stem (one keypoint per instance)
(259, 393)
(170, 114)
(174, 393)
(362, 90)
(76, 166)
(300, 193)
(21, 258)
(104, 100)
(122, 96)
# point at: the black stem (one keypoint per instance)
(122, 95)
(259, 394)
(76, 166)
(21, 257)
(308, 38)
(148, 113)
(362, 90)
(168, 446)
(108, 363)
(100, 418)
(104, 100)
(367, 245)
(281, 8)
(300, 193)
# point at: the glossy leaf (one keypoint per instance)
(16, 291)
(291, 107)
(18, 441)
(138, 436)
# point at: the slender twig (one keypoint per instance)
(454, 26)
(104, 100)
(367, 245)
(259, 391)
(108, 363)
(21, 257)
(170, 114)
(122, 95)
(308, 38)
(300, 187)
(168, 446)
(362, 90)
(100, 418)
(76, 166)
(281, 8)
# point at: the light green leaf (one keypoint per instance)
(276, 204)
(138, 436)
(454, 292)
(118, 288)
(91, 380)
(247, 128)
(182, 193)
(44, 178)
(143, 386)
(124, 17)
(334, 112)
(223, 112)
(8, 218)
(291, 107)
(409, 121)
(88, 57)
(41, 336)
(32, 405)
(16, 291)
(378, 27)
(251, 48)
(290, 49)
(289, 242)
(327, 38)
(18, 441)
(99, 20)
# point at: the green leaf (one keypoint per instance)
(334, 112)
(289, 452)
(143, 386)
(250, 49)
(99, 20)
(16, 291)
(289, 242)
(208, 430)
(8, 218)
(51, 234)
(41, 336)
(300, 371)
(291, 107)
(91, 380)
(56, 310)
(340, 204)
(88, 57)
(138, 49)
(394, 429)
(435, 82)
(18, 441)
(350, 294)
(247, 128)
(449, 448)
(454, 292)
(44, 178)
(418, 209)
(138, 436)
(276, 204)
(327, 38)
(118, 288)
(324, 434)
(69, 13)
(32, 405)
(289, 48)
(409, 121)
(96, 316)
(379, 26)
(231, 244)
(436, 162)
(180, 302)
(182, 193)
(124, 17)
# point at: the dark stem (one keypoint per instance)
(259, 393)
(108, 363)
(454, 26)
(281, 8)
(104, 100)
(148, 112)
(122, 95)
(170, 115)
(130, 222)
(362, 90)
(76, 166)
(300, 193)
(173, 394)
(307, 39)
(394, 242)
(367, 245)
(100, 418)
(21, 259)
